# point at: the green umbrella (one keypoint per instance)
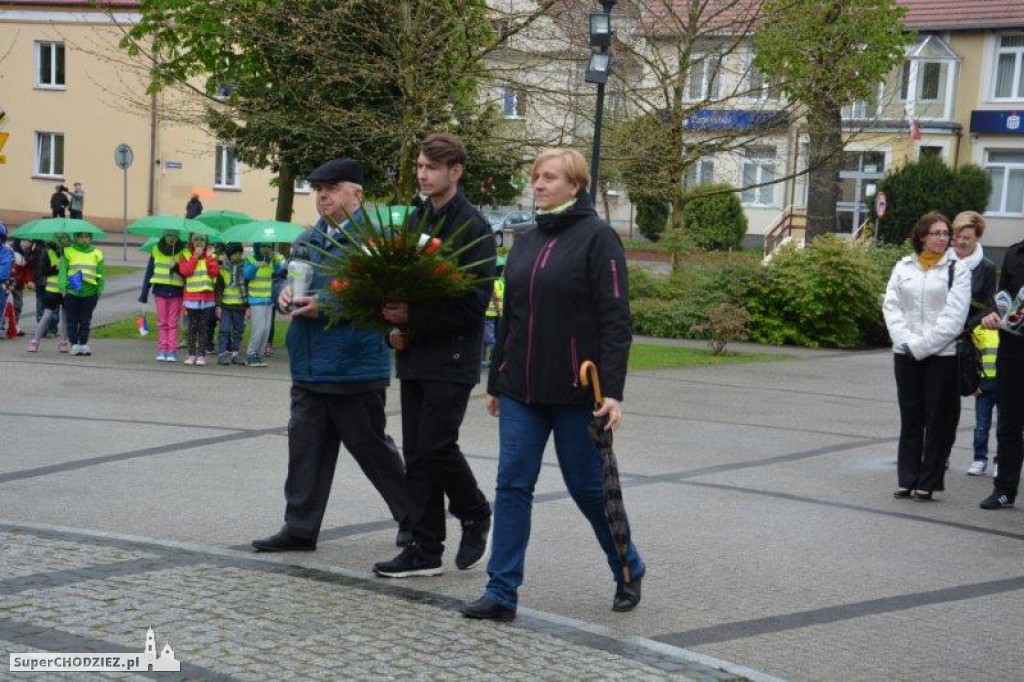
(25, 231)
(264, 231)
(390, 215)
(157, 225)
(148, 245)
(222, 220)
(48, 228)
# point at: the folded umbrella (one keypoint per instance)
(614, 507)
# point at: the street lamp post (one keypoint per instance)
(598, 69)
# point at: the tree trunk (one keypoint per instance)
(825, 152)
(285, 193)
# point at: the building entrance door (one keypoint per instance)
(858, 183)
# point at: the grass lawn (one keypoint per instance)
(641, 356)
(118, 270)
(657, 356)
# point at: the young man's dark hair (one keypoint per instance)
(444, 148)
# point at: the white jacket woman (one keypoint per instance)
(923, 313)
(926, 303)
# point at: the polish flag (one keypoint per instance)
(915, 125)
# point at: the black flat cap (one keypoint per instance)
(338, 170)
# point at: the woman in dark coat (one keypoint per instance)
(566, 301)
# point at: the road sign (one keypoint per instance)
(881, 204)
(3, 141)
(123, 156)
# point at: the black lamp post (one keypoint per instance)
(597, 72)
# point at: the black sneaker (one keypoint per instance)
(996, 500)
(473, 545)
(410, 563)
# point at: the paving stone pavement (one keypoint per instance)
(760, 496)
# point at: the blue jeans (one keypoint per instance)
(524, 430)
(983, 406)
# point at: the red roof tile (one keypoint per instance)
(954, 15)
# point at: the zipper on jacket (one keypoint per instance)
(615, 278)
(540, 262)
(575, 362)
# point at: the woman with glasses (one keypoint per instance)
(926, 304)
(968, 227)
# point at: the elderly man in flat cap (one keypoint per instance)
(339, 378)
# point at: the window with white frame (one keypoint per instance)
(758, 168)
(1006, 167)
(49, 154)
(703, 80)
(227, 174)
(863, 109)
(303, 187)
(512, 103)
(50, 65)
(928, 81)
(700, 172)
(759, 86)
(1009, 76)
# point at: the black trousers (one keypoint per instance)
(929, 399)
(1010, 429)
(432, 413)
(79, 310)
(319, 424)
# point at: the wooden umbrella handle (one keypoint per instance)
(588, 376)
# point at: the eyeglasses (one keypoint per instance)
(943, 235)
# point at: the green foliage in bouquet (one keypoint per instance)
(393, 262)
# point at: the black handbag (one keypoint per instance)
(968, 363)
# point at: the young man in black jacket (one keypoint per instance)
(1009, 388)
(438, 360)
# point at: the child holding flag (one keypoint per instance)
(199, 267)
(168, 288)
(51, 300)
(81, 281)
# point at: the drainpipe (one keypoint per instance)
(153, 160)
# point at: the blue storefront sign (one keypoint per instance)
(733, 119)
(173, 165)
(1006, 122)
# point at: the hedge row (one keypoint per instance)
(825, 295)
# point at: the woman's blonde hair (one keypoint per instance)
(575, 165)
(969, 219)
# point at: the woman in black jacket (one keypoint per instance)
(566, 301)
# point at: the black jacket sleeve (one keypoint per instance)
(607, 274)
(983, 292)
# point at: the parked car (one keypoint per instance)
(513, 221)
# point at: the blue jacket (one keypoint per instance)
(341, 354)
(6, 263)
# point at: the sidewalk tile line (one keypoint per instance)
(643, 649)
(54, 579)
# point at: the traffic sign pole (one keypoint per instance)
(123, 157)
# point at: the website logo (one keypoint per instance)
(147, 661)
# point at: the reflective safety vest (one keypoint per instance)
(162, 269)
(200, 279)
(987, 341)
(232, 293)
(261, 284)
(497, 297)
(86, 263)
(51, 280)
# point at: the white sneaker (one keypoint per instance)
(84, 349)
(995, 470)
(977, 467)
(76, 349)
(190, 360)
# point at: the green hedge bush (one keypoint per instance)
(713, 218)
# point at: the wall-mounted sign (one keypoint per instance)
(1004, 122)
(734, 119)
(172, 165)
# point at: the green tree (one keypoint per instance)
(714, 217)
(930, 185)
(826, 54)
(313, 79)
(651, 216)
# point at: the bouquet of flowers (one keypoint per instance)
(393, 262)
(1012, 311)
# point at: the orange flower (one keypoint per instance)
(432, 246)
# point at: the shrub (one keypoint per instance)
(930, 185)
(713, 217)
(824, 295)
(725, 322)
(651, 216)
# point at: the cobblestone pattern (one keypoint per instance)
(248, 623)
(23, 558)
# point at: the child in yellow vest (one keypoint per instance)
(260, 269)
(81, 281)
(168, 287)
(231, 308)
(987, 341)
(199, 267)
(48, 273)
